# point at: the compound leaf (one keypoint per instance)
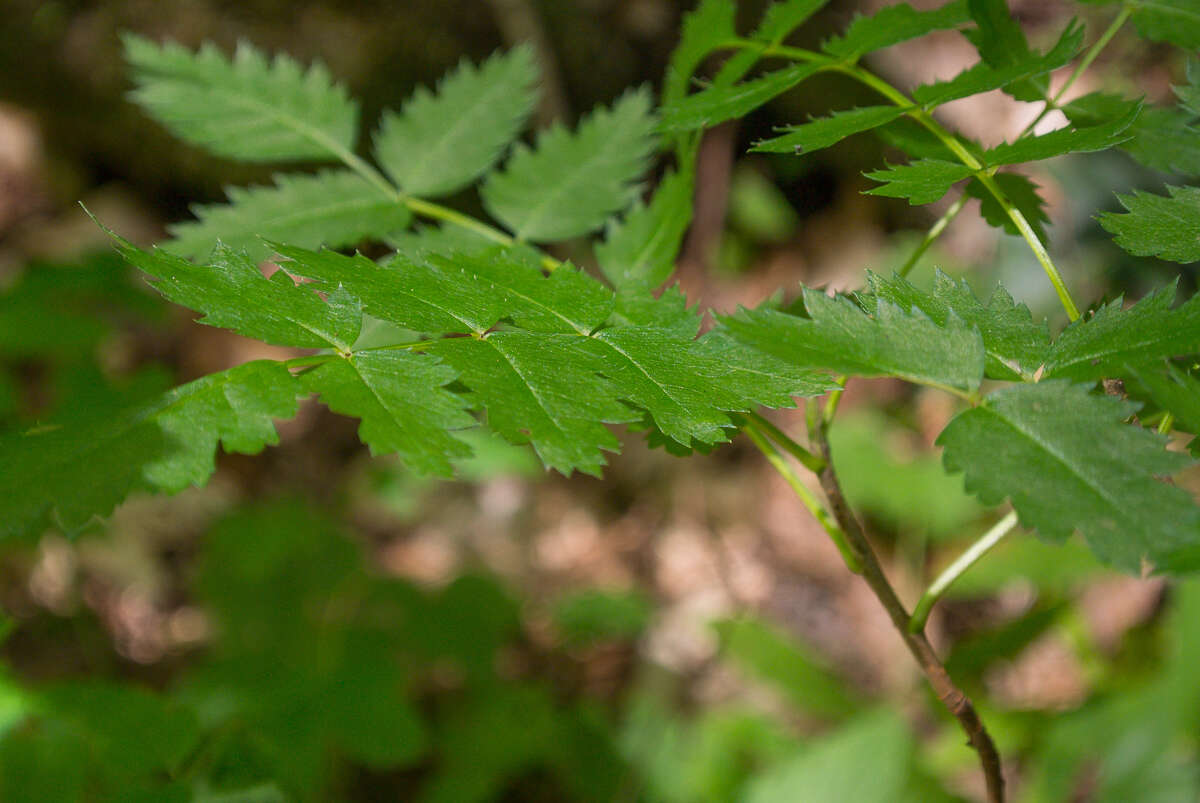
(572, 182)
(1157, 226)
(85, 467)
(1160, 138)
(402, 401)
(893, 25)
(640, 250)
(233, 294)
(1149, 331)
(1014, 344)
(440, 142)
(1065, 140)
(249, 108)
(840, 337)
(722, 102)
(332, 208)
(826, 131)
(983, 77)
(921, 182)
(1067, 462)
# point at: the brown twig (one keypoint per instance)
(951, 696)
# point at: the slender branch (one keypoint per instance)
(931, 236)
(1093, 52)
(810, 501)
(1164, 426)
(966, 560)
(952, 697)
(806, 458)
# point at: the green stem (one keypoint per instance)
(807, 498)
(1093, 52)
(1164, 426)
(966, 560)
(931, 236)
(806, 458)
(952, 143)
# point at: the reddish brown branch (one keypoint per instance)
(951, 696)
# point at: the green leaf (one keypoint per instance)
(703, 30)
(1001, 43)
(1021, 193)
(1065, 140)
(1015, 345)
(1158, 226)
(921, 182)
(85, 467)
(891, 26)
(536, 389)
(640, 250)
(1068, 463)
(332, 208)
(1174, 21)
(984, 77)
(783, 17)
(233, 293)
(1111, 338)
(1175, 391)
(462, 293)
(723, 102)
(826, 131)
(572, 182)
(831, 770)
(439, 143)
(1189, 94)
(1161, 138)
(841, 338)
(417, 243)
(248, 108)
(403, 404)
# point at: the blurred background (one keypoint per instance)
(318, 625)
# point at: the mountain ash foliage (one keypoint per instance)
(488, 329)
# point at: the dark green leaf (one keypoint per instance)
(1105, 342)
(251, 108)
(1021, 193)
(1065, 140)
(401, 400)
(1069, 463)
(1015, 345)
(826, 131)
(1175, 391)
(440, 142)
(839, 337)
(1157, 226)
(332, 209)
(1174, 21)
(640, 250)
(921, 182)
(570, 183)
(892, 25)
(1001, 43)
(1160, 138)
(719, 102)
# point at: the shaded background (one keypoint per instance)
(318, 625)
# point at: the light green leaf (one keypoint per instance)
(439, 143)
(85, 467)
(1065, 140)
(333, 209)
(403, 404)
(572, 182)
(826, 131)
(1069, 463)
(1014, 344)
(984, 77)
(892, 25)
(831, 770)
(723, 102)
(1104, 343)
(248, 108)
(921, 182)
(233, 294)
(462, 293)
(1158, 226)
(703, 30)
(1021, 193)
(640, 250)
(841, 338)
(537, 389)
